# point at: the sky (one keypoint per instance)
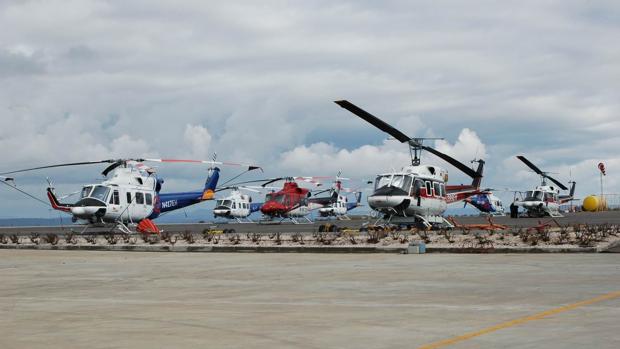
(255, 82)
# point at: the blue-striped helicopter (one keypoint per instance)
(130, 194)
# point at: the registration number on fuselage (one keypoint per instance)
(169, 203)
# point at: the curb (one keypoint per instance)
(308, 249)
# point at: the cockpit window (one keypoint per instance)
(399, 181)
(86, 191)
(100, 192)
(534, 195)
(402, 182)
(382, 181)
(225, 203)
(279, 198)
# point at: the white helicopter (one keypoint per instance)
(544, 200)
(130, 194)
(418, 194)
(341, 207)
(236, 205)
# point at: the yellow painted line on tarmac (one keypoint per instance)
(519, 321)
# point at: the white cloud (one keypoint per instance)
(467, 147)
(321, 159)
(199, 140)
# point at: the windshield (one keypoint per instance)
(279, 198)
(85, 191)
(400, 181)
(225, 203)
(534, 195)
(382, 181)
(100, 193)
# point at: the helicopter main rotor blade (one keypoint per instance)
(236, 187)
(111, 167)
(375, 121)
(62, 165)
(208, 162)
(530, 164)
(452, 161)
(273, 180)
(556, 182)
(540, 172)
(267, 180)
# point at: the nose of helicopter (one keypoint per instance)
(387, 197)
(326, 211)
(86, 211)
(385, 201)
(270, 208)
(221, 211)
(532, 203)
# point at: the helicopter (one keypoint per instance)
(130, 194)
(236, 205)
(417, 194)
(341, 207)
(486, 202)
(292, 201)
(544, 200)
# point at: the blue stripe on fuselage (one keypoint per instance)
(174, 201)
(255, 207)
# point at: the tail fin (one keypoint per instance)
(478, 179)
(357, 203)
(56, 205)
(210, 185)
(572, 190)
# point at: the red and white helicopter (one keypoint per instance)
(293, 201)
(417, 194)
(131, 194)
(545, 199)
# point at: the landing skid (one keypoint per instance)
(337, 217)
(425, 222)
(292, 219)
(543, 214)
(120, 226)
(295, 221)
(242, 221)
